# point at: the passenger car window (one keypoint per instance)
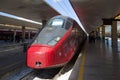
(67, 26)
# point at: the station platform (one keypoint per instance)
(98, 61)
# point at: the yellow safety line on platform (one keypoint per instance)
(80, 77)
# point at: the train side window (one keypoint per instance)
(68, 24)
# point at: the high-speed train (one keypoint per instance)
(55, 44)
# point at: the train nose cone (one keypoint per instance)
(37, 56)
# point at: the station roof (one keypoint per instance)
(90, 12)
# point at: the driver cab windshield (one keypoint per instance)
(55, 23)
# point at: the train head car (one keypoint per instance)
(55, 44)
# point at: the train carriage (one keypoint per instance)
(55, 44)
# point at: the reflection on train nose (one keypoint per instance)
(38, 64)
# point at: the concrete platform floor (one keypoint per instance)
(102, 62)
(97, 61)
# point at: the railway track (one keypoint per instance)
(42, 74)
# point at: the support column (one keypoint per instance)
(100, 28)
(114, 34)
(14, 36)
(103, 33)
(99, 31)
(43, 23)
(23, 33)
(29, 34)
(98, 34)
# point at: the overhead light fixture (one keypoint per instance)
(19, 18)
(18, 27)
